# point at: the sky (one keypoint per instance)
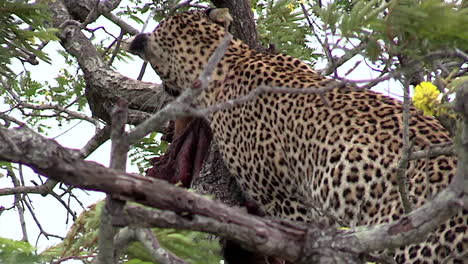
(51, 213)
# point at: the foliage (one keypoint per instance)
(66, 90)
(141, 153)
(18, 252)
(81, 241)
(404, 35)
(22, 27)
(194, 247)
(410, 28)
(282, 23)
(140, 8)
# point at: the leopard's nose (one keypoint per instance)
(136, 44)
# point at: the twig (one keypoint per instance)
(145, 63)
(72, 195)
(150, 242)
(116, 49)
(93, 30)
(461, 54)
(145, 236)
(325, 46)
(101, 7)
(174, 8)
(43, 189)
(337, 62)
(26, 56)
(281, 89)
(9, 119)
(67, 206)
(145, 25)
(60, 109)
(265, 89)
(353, 68)
(403, 163)
(18, 204)
(381, 78)
(41, 230)
(57, 108)
(82, 258)
(67, 130)
(462, 72)
(446, 149)
(96, 141)
(127, 28)
(142, 70)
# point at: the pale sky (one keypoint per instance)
(51, 214)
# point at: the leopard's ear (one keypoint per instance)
(220, 16)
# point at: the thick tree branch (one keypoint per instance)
(294, 242)
(105, 86)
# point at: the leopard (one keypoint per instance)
(330, 156)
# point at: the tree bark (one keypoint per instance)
(296, 242)
(103, 85)
(243, 27)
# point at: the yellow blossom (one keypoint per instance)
(426, 97)
(290, 6)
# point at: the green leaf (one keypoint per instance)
(22, 28)
(280, 24)
(373, 50)
(18, 252)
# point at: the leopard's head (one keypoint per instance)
(181, 45)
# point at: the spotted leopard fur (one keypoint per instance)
(300, 156)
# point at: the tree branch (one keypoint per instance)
(105, 86)
(402, 179)
(101, 136)
(18, 203)
(292, 241)
(433, 151)
(150, 242)
(42, 189)
(122, 24)
(118, 161)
